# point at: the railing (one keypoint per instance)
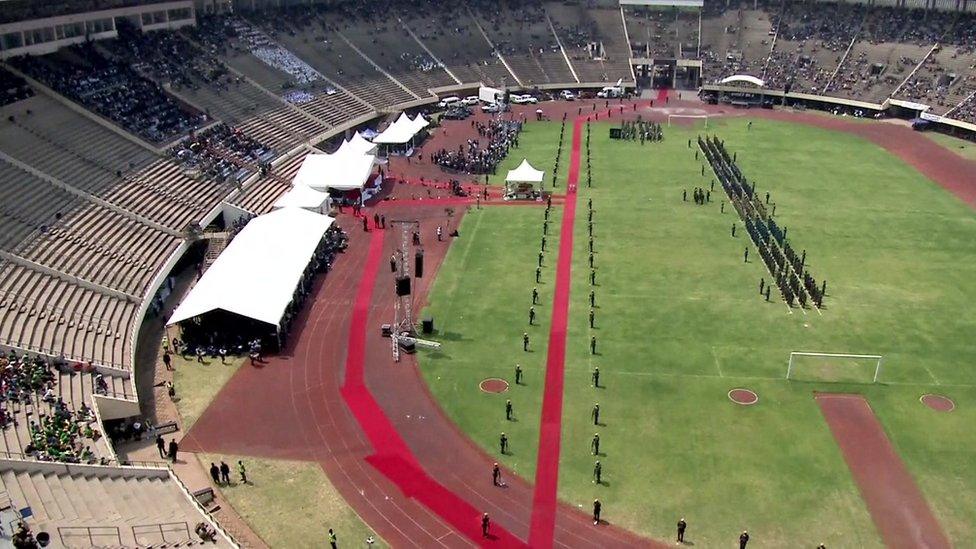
(86, 536)
(143, 464)
(161, 533)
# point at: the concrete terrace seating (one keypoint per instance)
(26, 204)
(105, 506)
(68, 146)
(55, 316)
(104, 247)
(652, 31)
(260, 195)
(442, 30)
(736, 41)
(332, 56)
(391, 47)
(13, 88)
(522, 35)
(578, 27)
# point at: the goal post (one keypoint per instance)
(833, 367)
(689, 116)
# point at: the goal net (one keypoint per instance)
(690, 118)
(833, 367)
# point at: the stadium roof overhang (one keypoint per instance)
(665, 3)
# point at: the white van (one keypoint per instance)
(567, 95)
(610, 92)
(449, 101)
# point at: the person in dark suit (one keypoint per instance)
(597, 508)
(743, 539)
(682, 526)
(485, 525)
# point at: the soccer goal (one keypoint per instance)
(693, 117)
(834, 367)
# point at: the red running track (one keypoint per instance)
(897, 506)
(547, 462)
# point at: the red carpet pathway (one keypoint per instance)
(897, 506)
(393, 458)
(547, 461)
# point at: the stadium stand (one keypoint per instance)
(99, 506)
(594, 39)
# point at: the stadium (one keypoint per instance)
(578, 273)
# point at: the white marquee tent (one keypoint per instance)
(341, 171)
(358, 144)
(257, 274)
(521, 182)
(402, 130)
(303, 197)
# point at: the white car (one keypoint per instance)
(490, 107)
(470, 100)
(567, 95)
(524, 99)
(449, 101)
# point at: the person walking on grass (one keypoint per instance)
(595, 444)
(503, 443)
(743, 539)
(592, 345)
(682, 526)
(538, 275)
(595, 414)
(168, 361)
(541, 255)
(597, 508)
(215, 473)
(242, 471)
(535, 296)
(224, 472)
(518, 374)
(592, 299)
(509, 414)
(496, 475)
(598, 472)
(592, 319)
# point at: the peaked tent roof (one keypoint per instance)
(525, 173)
(358, 144)
(302, 197)
(341, 171)
(401, 130)
(256, 275)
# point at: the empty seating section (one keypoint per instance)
(131, 508)
(57, 316)
(522, 34)
(260, 195)
(652, 31)
(443, 29)
(594, 40)
(391, 47)
(27, 204)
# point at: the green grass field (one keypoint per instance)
(679, 322)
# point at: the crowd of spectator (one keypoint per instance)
(115, 90)
(55, 435)
(476, 158)
(222, 153)
(13, 88)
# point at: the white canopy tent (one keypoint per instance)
(303, 197)
(402, 130)
(257, 274)
(736, 78)
(341, 171)
(521, 181)
(357, 144)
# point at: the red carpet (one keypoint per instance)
(547, 462)
(392, 457)
(662, 95)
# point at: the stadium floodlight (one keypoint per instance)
(693, 116)
(833, 367)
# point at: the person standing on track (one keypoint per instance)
(597, 507)
(682, 525)
(743, 539)
(485, 525)
(595, 414)
(496, 475)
